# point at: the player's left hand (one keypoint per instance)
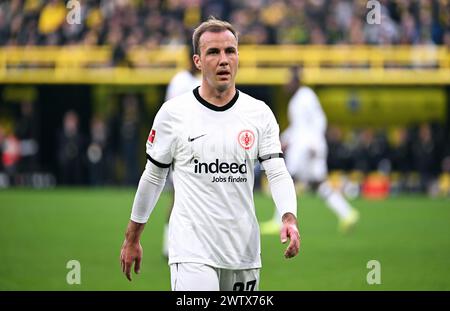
(290, 231)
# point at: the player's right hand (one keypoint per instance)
(131, 253)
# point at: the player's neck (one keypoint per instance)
(215, 97)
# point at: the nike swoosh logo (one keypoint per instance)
(194, 138)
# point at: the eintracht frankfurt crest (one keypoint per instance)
(246, 139)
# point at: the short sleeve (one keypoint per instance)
(269, 143)
(161, 140)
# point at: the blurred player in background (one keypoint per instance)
(306, 153)
(182, 82)
(212, 137)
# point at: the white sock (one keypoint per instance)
(165, 247)
(334, 200)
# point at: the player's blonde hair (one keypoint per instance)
(212, 24)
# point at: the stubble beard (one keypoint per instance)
(223, 87)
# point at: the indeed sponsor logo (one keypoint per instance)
(219, 167)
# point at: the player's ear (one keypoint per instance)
(197, 62)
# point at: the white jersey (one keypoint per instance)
(212, 151)
(307, 122)
(306, 133)
(182, 82)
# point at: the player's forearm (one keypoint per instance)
(134, 231)
(281, 187)
(283, 194)
(149, 189)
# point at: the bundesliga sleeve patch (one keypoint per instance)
(151, 137)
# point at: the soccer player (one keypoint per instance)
(306, 153)
(211, 137)
(182, 82)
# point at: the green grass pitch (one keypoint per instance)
(40, 231)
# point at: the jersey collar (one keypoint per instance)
(214, 107)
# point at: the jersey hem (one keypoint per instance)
(215, 265)
(140, 220)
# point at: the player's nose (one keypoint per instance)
(223, 61)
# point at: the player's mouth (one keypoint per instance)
(224, 74)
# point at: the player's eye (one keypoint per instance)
(212, 51)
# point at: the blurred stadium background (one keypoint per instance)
(78, 95)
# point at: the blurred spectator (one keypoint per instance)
(339, 154)
(27, 129)
(401, 151)
(97, 153)
(445, 163)
(4, 33)
(219, 8)
(372, 151)
(424, 156)
(71, 151)
(447, 38)
(129, 138)
(10, 146)
(387, 32)
(2, 140)
(52, 17)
